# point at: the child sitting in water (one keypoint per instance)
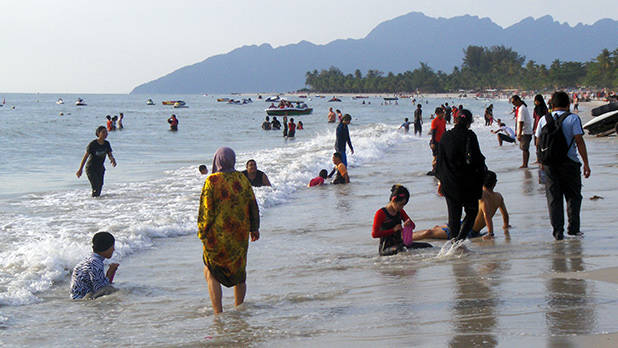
(341, 170)
(318, 180)
(387, 224)
(88, 280)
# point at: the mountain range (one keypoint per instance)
(395, 45)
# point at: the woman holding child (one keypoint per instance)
(228, 215)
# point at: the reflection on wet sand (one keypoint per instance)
(474, 311)
(569, 308)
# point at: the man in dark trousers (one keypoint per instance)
(460, 167)
(564, 179)
(343, 138)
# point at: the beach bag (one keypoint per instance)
(553, 148)
(406, 234)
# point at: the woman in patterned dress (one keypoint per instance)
(228, 215)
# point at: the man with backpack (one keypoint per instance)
(557, 136)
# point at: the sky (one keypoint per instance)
(85, 46)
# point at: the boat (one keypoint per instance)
(300, 109)
(80, 102)
(149, 102)
(603, 109)
(272, 99)
(334, 99)
(180, 105)
(391, 98)
(360, 97)
(223, 99)
(59, 101)
(603, 125)
(172, 102)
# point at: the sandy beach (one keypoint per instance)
(314, 277)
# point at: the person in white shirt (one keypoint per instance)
(505, 133)
(524, 127)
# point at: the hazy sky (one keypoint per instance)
(85, 46)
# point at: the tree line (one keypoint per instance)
(496, 67)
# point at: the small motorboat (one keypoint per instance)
(80, 102)
(300, 109)
(603, 125)
(59, 101)
(149, 102)
(272, 99)
(390, 98)
(180, 105)
(223, 100)
(334, 99)
(171, 102)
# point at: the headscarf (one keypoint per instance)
(224, 161)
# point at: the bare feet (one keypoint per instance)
(523, 166)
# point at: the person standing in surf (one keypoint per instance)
(418, 120)
(343, 138)
(228, 216)
(95, 154)
(460, 167)
(524, 127)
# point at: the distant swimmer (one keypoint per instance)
(173, 121)
(291, 128)
(110, 123)
(203, 169)
(96, 152)
(489, 203)
(285, 126)
(300, 125)
(275, 124)
(331, 116)
(340, 169)
(319, 180)
(387, 224)
(418, 120)
(256, 177)
(120, 125)
(266, 124)
(405, 125)
(339, 115)
(88, 280)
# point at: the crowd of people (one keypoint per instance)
(228, 214)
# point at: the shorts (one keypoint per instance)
(524, 143)
(506, 138)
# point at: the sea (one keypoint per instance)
(314, 277)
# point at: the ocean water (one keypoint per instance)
(314, 277)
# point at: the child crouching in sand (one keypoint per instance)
(387, 224)
(88, 280)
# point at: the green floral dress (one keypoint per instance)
(228, 211)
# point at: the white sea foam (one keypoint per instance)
(48, 233)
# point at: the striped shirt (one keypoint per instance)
(88, 276)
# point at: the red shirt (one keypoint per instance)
(316, 181)
(440, 126)
(383, 228)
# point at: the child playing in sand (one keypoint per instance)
(88, 280)
(387, 223)
(318, 180)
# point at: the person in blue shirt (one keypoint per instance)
(564, 179)
(343, 138)
(88, 280)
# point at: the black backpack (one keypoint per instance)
(553, 147)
